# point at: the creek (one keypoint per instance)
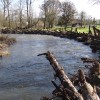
(26, 76)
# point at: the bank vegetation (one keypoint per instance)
(5, 42)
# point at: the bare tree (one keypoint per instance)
(1, 19)
(20, 12)
(68, 13)
(8, 11)
(4, 11)
(27, 6)
(50, 10)
(94, 22)
(82, 17)
(29, 11)
(14, 16)
(44, 12)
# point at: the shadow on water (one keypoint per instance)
(25, 76)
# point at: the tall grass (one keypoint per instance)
(5, 39)
(5, 42)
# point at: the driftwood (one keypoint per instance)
(65, 81)
(89, 92)
(98, 90)
(96, 31)
(88, 60)
(67, 90)
(94, 68)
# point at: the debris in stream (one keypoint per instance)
(81, 86)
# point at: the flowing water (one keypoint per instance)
(26, 76)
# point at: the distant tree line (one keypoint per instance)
(16, 13)
(20, 14)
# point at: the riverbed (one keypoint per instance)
(26, 76)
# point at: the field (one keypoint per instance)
(79, 29)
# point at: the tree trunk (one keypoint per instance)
(8, 4)
(27, 6)
(4, 12)
(44, 23)
(65, 81)
(20, 14)
(8, 17)
(65, 27)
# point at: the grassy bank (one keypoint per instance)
(5, 42)
(79, 29)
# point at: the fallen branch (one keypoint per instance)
(65, 81)
(89, 91)
(85, 83)
(88, 60)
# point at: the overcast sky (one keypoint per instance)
(81, 5)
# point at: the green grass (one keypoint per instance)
(98, 26)
(79, 29)
(85, 30)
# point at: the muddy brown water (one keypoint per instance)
(25, 76)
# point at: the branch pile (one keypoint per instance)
(80, 86)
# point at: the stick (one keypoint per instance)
(65, 81)
(90, 94)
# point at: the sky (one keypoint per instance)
(81, 5)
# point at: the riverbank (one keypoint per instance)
(93, 40)
(5, 42)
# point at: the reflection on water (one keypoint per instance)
(25, 76)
